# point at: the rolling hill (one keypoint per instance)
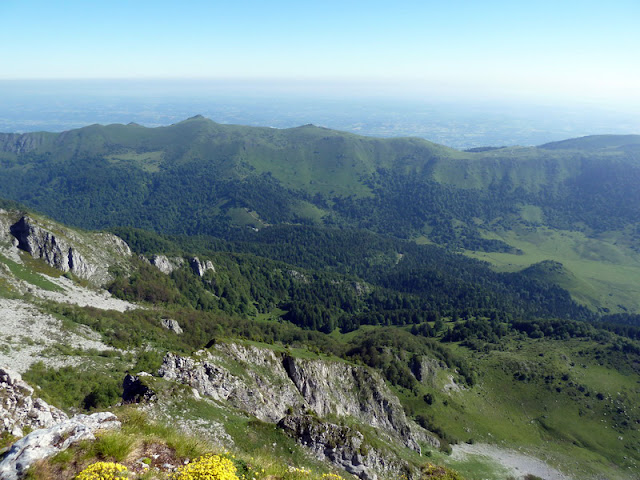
(575, 202)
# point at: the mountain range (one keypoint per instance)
(332, 300)
(575, 202)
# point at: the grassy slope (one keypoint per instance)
(604, 271)
(317, 160)
(571, 431)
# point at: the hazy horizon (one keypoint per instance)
(546, 52)
(63, 105)
(460, 73)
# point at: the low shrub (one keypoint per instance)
(437, 472)
(103, 471)
(208, 467)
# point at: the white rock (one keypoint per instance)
(44, 443)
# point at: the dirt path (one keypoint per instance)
(517, 463)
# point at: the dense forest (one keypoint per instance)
(198, 177)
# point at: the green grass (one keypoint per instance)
(604, 271)
(245, 217)
(27, 274)
(150, 162)
(474, 467)
(112, 446)
(534, 415)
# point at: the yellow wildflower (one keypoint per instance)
(208, 467)
(103, 471)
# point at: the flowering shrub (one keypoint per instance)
(208, 467)
(435, 472)
(331, 476)
(103, 471)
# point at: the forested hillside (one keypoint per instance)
(574, 202)
(494, 292)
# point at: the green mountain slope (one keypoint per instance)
(199, 177)
(458, 344)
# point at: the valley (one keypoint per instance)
(313, 300)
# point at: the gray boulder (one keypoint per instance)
(44, 443)
(171, 324)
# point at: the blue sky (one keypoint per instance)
(545, 49)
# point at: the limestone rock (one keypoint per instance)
(171, 324)
(19, 409)
(426, 369)
(88, 256)
(341, 445)
(345, 447)
(266, 396)
(165, 264)
(200, 268)
(44, 443)
(271, 386)
(43, 244)
(358, 392)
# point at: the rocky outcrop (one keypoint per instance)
(47, 442)
(345, 447)
(341, 445)
(262, 388)
(358, 392)
(88, 256)
(165, 264)
(426, 369)
(136, 390)
(43, 244)
(171, 324)
(200, 268)
(20, 410)
(272, 386)
(22, 143)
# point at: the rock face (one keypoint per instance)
(19, 409)
(43, 244)
(22, 143)
(200, 268)
(135, 390)
(426, 369)
(279, 388)
(171, 324)
(47, 442)
(166, 265)
(88, 256)
(340, 444)
(342, 390)
(266, 395)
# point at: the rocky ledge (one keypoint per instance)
(46, 442)
(299, 394)
(87, 255)
(19, 410)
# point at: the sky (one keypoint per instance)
(564, 49)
